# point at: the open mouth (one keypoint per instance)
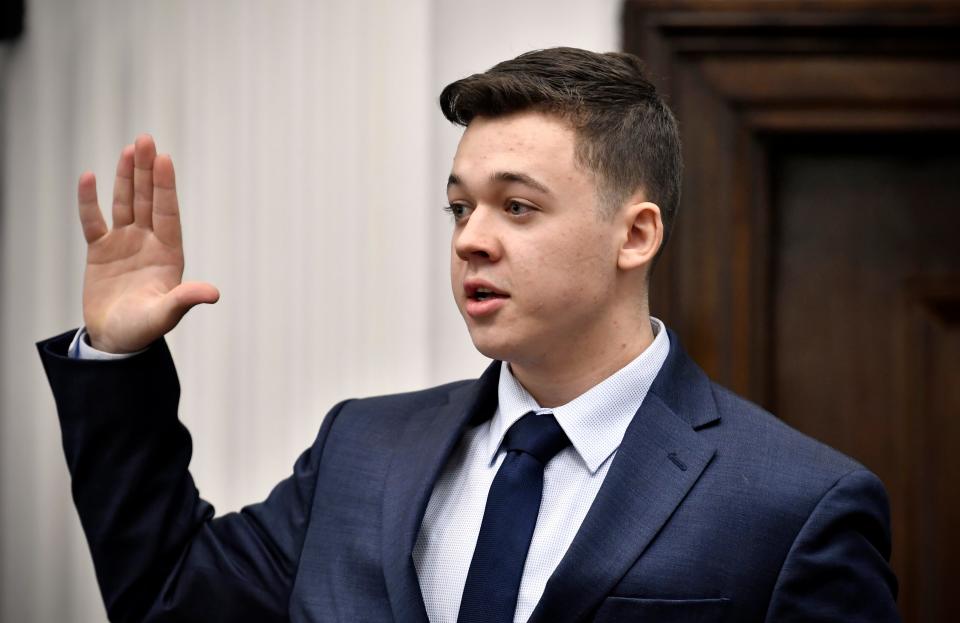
(481, 291)
(482, 294)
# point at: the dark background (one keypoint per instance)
(816, 268)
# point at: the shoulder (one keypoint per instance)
(777, 470)
(387, 404)
(771, 442)
(822, 513)
(389, 412)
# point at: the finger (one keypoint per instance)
(123, 189)
(91, 220)
(181, 299)
(166, 208)
(144, 152)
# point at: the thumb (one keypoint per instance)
(178, 301)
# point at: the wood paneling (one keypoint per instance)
(933, 339)
(819, 205)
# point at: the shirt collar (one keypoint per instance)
(594, 421)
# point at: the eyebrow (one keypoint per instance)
(510, 177)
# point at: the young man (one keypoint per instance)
(592, 473)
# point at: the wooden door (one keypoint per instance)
(816, 263)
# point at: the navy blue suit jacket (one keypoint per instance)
(712, 510)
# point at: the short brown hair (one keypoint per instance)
(626, 134)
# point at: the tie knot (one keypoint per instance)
(537, 435)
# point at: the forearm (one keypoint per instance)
(127, 454)
(158, 552)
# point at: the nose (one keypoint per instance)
(477, 238)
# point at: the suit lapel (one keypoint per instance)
(426, 443)
(659, 460)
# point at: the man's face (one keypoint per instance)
(533, 265)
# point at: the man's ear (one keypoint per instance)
(644, 234)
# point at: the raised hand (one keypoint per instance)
(132, 290)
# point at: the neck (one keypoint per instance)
(559, 377)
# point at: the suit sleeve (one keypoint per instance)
(837, 568)
(158, 551)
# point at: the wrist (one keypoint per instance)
(85, 347)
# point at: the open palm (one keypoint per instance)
(132, 291)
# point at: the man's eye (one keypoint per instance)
(456, 210)
(518, 209)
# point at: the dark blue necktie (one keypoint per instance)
(493, 582)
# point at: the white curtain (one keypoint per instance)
(311, 159)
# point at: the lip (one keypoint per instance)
(478, 309)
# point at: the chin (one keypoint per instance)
(491, 351)
(493, 346)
